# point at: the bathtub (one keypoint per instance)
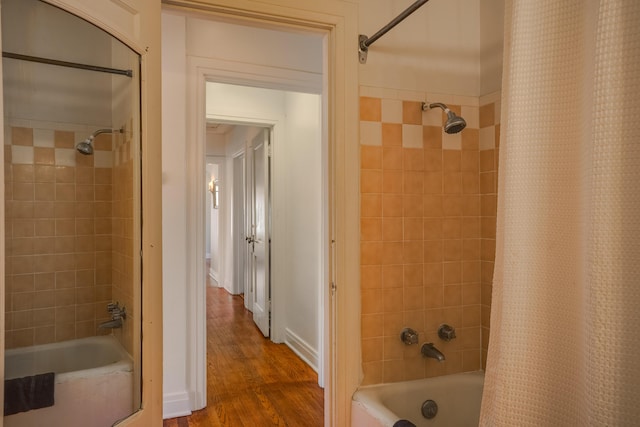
(457, 396)
(93, 382)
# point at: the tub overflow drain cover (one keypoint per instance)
(429, 409)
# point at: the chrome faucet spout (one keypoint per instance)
(111, 324)
(429, 350)
(118, 314)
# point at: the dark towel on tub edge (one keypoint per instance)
(32, 392)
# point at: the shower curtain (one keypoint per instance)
(564, 347)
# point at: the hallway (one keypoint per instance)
(251, 381)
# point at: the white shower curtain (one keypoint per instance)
(564, 348)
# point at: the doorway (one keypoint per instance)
(191, 58)
(280, 142)
(247, 224)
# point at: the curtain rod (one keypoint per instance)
(364, 42)
(127, 73)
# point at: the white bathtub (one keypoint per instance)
(93, 382)
(458, 398)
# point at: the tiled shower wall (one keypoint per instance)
(123, 235)
(58, 233)
(490, 108)
(425, 217)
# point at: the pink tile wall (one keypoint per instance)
(421, 239)
(58, 236)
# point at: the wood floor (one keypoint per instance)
(250, 380)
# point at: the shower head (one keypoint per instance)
(86, 147)
(454, 123)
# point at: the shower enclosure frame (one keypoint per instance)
(137, 24)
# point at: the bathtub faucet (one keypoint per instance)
(118, 314)
(111, 324)
(429, 350)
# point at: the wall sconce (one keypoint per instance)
(214, 188)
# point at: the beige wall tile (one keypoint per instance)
(391, 205)
(392, 276)
(391, 134)
(412, 112)
(22, 173)
(470, 161)
(391, 111)
(470, 139)
(392, 182)
(370, 181)
(21, 136)
(413, 159)
(412, 206)
(432, 137)
(392, 229)
(370, 157)
(103, 142)
(370, 205)
(392, 158)
(370, 229)
(64, 139)
(434, 214)
(44, 156)
(433, 159)
(370, 109)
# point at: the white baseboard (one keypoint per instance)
(175, 405)
(301, 348)
(214, 278)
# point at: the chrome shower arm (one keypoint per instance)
(364, 42)
(107, 130)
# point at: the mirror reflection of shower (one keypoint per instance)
(86, 147)
(73, 220)
(454, 123)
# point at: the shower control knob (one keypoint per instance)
(409, 336)
(446, 332)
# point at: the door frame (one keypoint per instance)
(338, 20)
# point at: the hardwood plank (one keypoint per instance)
(250, 380)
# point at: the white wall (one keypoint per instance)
(303, 206)
(174, 93)
(250, 45)
(451, 47)
(491, 38)
(212, 225)
(216, 144)
(434, 50)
